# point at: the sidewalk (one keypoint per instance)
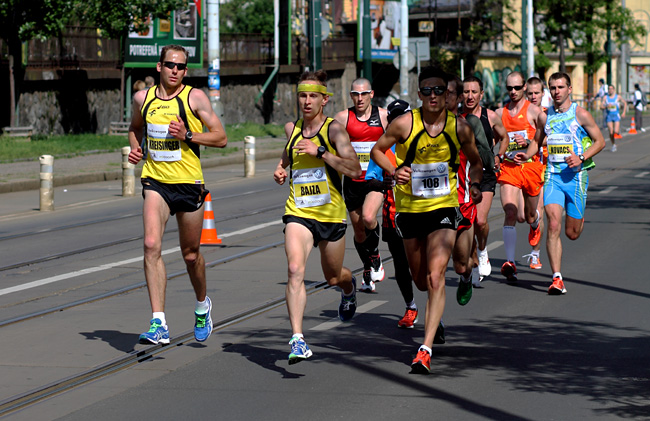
(21, 176)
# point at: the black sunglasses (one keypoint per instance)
(170, 65)
(516, 88)
(438, 90)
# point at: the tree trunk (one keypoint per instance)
(562, 57)
(12, 93)
(16, 76)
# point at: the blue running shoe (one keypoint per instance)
(348, 305)
(203, 323)
(299, 350)
(157, 334)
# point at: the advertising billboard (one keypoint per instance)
(184, 27)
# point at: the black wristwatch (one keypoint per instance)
(321, 151)
(582, 157)
(475, 184)
(188, 136)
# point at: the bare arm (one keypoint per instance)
(215, 136)
(345, 160)
(383, 116)
(537, 142)
(342, 117)
(468, 146)
(397, 131)
(587, 121)
(135, 129)
(280, 173)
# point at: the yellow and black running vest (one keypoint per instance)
(170, 160)
(315, 186)
(434, 161)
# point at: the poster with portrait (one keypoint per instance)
(385, 25)
(641, 75)
(185, 23)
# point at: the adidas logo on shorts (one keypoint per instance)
(445, 221)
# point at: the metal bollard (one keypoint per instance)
(47, 182)
(249, 156)
(128, 173)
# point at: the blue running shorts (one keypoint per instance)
(569, 190)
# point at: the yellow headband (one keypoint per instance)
(310, 87)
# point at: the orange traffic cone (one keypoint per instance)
(209, 232)
(633, 127)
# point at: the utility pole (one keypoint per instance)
(214, 80)
(404, 52)
(315, 34)
(366, 34)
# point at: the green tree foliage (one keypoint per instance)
(22, 21)
(246, 17)
(117, 18)
(580, 27)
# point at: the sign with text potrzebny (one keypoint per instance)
(184, 27)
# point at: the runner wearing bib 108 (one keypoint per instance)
(365, 124)
(318, 150)
(573, 138)
(519, 118)
(612, 104)
(427, 144)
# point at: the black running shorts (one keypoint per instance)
(179, 197)
(420, 225)
(321, 231)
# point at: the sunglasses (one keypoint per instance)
(438, 90)
(170, 65)
(516, 88)
(357, 93)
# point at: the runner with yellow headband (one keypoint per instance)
(318, 151)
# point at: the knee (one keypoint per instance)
(296, 271)
(152, 247)
(510, 212)
(461, 267)
(436, 281)
(191, 257)
(572, 234)
(369, 220)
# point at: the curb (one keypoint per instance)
(66, 180)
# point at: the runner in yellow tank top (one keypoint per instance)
(427, 213)
(170, 118)
(317, 152)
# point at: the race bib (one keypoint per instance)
(310, 187)
(162, 146)
(513, 146)
(430, 180)
(611, 106)
(559, 147)
(363, 153)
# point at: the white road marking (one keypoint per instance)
(608, 190)
(642, 174)
(107, 266)
(335, 322)
(493, 245)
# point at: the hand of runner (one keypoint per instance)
(177, 128)
(476, 194)
(521, 141)
(306, 146)
(280, 175)
(573, 160)
(402, 175)
(135, 155)
(520, 158)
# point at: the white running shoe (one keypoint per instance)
(476, 278)
(484, 268)
(377, 272)
(614, 148)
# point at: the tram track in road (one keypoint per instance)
(111, 243)
(135, 357)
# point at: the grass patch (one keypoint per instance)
(12, 150)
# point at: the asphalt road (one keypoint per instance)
(512, 353)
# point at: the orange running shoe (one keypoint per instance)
(509, 270)
(533, 261)
(557, 287)
(422, 363)
(617, 136)
(534, 235)
(410, 318)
